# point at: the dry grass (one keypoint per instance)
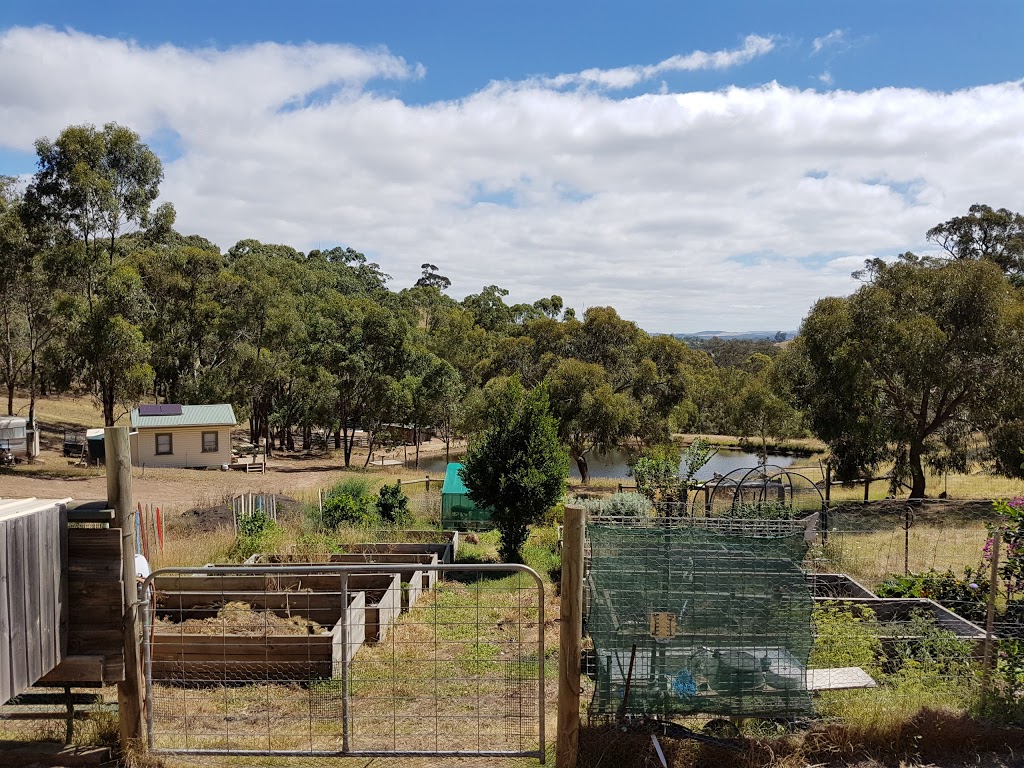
(870, 556)
(932, 737)
(80, 411)
(195, 550)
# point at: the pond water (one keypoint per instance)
(616, 464)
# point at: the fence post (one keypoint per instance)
(867, 487)
(907, 522)
(345, 703)
(119, 497)
(990, 618)
(828, 482)
(570, 639)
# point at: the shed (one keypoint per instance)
(457, 510)
(33, 591)
(95, 441)
(14, 436)
(182, 435)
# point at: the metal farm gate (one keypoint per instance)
(440, 659)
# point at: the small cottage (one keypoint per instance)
(182, 435)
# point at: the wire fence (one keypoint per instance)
(331, 660)
(908, 607)
(424, 499)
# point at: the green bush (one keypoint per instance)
(964, 595)
(256, 533)
(393, 505)
(845, 639)
(764, 510)
(350, 503)
(618, 505)
(349, 510)
(356, 487)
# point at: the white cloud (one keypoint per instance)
(826, 78)
(733, 209)
(835, 38)
(628, 77)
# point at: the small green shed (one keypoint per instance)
(457, 511)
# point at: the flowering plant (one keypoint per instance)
(1011, 525)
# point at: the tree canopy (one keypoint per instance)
(909, 366)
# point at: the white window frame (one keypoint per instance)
(216, 441)
(170, 443)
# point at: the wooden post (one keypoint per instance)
(867, 487)
(119, 497)
(570, 639)
(990, 617)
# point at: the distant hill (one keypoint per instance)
(731, 335)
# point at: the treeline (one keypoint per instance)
(100, 293)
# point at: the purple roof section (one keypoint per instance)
(160, 410)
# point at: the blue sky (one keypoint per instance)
(917, 43)
(621, 134)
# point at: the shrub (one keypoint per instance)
(356, 487)
(349, 510)
(764, 510)
(517, 468)
(964, 595)
(657, 474)
(393, 505)
(349, 503)
(843, 639)
(618, 505)
(256, 533)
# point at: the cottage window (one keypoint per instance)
(210, 443)
(164, 444)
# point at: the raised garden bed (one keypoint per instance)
(445, 552)
(836, 585)
(313, 593)
(402, 564)
(240, 642)
(895, 613)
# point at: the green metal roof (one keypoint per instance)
(221, 414)
(452, 481)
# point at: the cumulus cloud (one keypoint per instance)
(628, 77)
(733, 209)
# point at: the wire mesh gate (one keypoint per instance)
(440, 659)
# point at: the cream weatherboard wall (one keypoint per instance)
(186, 446)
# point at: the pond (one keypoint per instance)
(615, 464)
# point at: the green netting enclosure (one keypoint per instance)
(457, 510)
(720, 617)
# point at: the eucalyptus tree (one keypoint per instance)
(94, 183)
(590, 414)
(909, 365)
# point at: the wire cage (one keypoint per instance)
(766, 485)
(691, 618)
